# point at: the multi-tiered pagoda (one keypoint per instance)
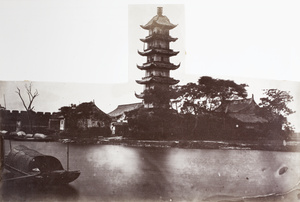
(158, 53)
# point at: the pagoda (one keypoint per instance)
(157, 50)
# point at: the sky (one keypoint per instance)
(79, 51)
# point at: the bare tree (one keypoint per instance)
(31, 96)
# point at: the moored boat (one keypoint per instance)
(31, 166)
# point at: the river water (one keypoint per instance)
(120, 173)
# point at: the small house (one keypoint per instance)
(90, 116)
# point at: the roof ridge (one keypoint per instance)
(131, 104)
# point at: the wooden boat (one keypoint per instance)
(31, 166)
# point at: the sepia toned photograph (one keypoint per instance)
(149, 101)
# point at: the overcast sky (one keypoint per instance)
(78, 51)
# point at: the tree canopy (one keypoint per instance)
(276, 102)
(275, 108)
(159, 96)
(208, 94)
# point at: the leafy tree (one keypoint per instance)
(276, 102)
(28, 106)
(155, 123)
(275, 109)
(159, 96)
(207, 94)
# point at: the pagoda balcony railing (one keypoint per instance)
(158, 62)
(158, 35)
(153, 47)
(161, 76)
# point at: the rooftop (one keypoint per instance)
(233, 106)
(124, 108)
(159, 20)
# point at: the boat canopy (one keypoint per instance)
(27, 160)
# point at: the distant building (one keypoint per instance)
(118, 114)
(88, 115)
(57, 122)
(84, 116)
(158, 53)
(119, 125)
(243, 113)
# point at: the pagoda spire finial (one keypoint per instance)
(159, 11)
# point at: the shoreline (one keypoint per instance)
(264, 145)
(280, 146)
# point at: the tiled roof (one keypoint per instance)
(151, 51)
(158, 79)
(90, 107)
(159, 20)
(248, 118)
(124, 108)
(244, 110)
(233, 106)
(155, 36)
(161, 65)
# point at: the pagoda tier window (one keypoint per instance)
(150, 58)
(166, 59)
(157, 44)
(149, 86)
(165, 45)
(158, 30)
(161, 44)
(157, 58)
(155, 72)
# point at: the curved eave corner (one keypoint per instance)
(173, 39)
(175, 82)
(145, 27)
(141, 53)
(175, 53)
(176, 66)
(140, 67)
(140, 96)
(140, 81)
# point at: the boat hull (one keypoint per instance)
(57, 177)
(31, 166)
(51, 178)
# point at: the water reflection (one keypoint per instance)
(121, 159)
(240, 173)
(14, 191)
(118, 173)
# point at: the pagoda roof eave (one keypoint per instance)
(168, 52)
(159, 20)
(155, 36)
(158, 65)
(148, 27)
(158, 79)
